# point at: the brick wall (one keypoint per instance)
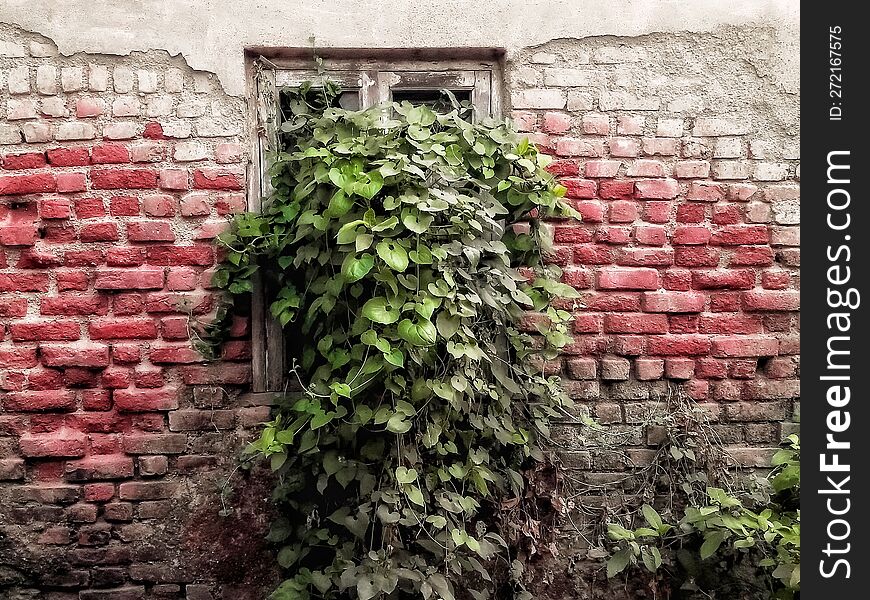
(685, 167)
(114, 437)
(117, 172)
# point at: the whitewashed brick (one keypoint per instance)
(619, 100)
(201, 83)
(46, 79)
(18, 80)
(54, 107)
(543, 58)
(189, 151)
(42, 49)
(618, 54)
(120, 130)
(765, 171)
(75, 130)
(158, 106)
(36, 132)
(122, 77)
(538, 98)
(147, 81)
(787, 212)
(9, 134)
(728, 147)
(173, 80)
(17, 110)
(12, 50)
(125, 106)
(191, 109)
(578, 100)
(98, 78)
(209, 127)
(719, 126)
(72, 79)
(572, 78)
(669, 128)
(177, 129)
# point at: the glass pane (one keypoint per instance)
(437, 100)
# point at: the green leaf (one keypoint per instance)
(420, 332)
(404, 475)
(378, 310)
(651, 516)
(447, 324)
(339, 205)
(393, 254)
(369, 185)
(711, 544)
(398, 424)
(415, 495)
(395, 358)
(618, 562)
(416, 222)
(354, 268)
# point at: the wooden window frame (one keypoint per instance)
(375, 78)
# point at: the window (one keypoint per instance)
(365, 83)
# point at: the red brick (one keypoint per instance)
(617, 235)
(174, 354)
(148, 377)
(150, 231)
(691, 213)
(664, 189)
(771, 389)
(195, 204)
(124, 206)
(98, 492)
(71, 280)
(145, 400)
(771, 301)
(96, 468)
(752, 255)
(564, 168)
(616, 189)
(54, 208)
(27, 184)
(673, 302)
(635, 323)
(125, 256)
(572, 234)
(737, 235)
(13, 307)
(705, 191)
(727, 214)
(679, 345)
(622, 211)
(116, 378)
(734, 323)
(140, 279)
(127, 304)
(197, 255)
(590, 211)
(217, 179)
(628, 279)
(775, 280)
(99, 232)
(734, 279)
(646, 257)
(109, 179)
(579, 188)
(23, 282)
(651, 235)
(110, 153)
(62, 443)
(18, 235)
(679, 368)
(696, 256)
(230, 204)
(89, 208)
(18, 358)
(159, 205)
(153, 131)
(83, 258)
(602, 168)
(126, 353)
(39, 401)
(35, 331)
(648, 369)
(145, 490)
(71, 182)
(657, 212)
(687, 235)
(593, 254)
(74, 355)
(611, 302)
(744, 345)
(29, 160)
(115, 329)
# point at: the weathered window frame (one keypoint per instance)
(375, 78)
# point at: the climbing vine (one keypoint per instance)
(401, 248)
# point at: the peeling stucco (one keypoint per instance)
(213, 34)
